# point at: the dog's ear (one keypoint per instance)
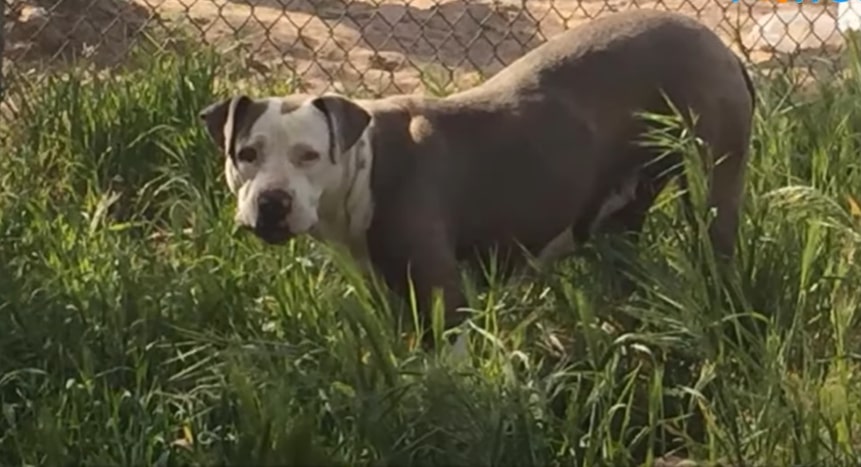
(347, 121)
(215, 117)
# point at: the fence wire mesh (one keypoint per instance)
(381, 47)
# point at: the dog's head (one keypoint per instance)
(282, 155)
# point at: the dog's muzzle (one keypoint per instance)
(273, 207)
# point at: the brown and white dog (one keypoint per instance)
(536, 158)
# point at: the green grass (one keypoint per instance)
(136, 328)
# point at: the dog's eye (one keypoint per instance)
(309, 156)
(247, 155)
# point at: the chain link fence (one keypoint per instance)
(381, 47)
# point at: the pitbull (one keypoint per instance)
(535, 160)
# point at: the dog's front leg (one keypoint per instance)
(431, 268)
(417, 256)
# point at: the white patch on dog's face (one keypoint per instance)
(286, 151)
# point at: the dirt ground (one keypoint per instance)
(381, 46)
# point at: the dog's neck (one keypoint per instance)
(345, 213)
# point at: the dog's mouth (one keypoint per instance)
(274, 235)
(272, 232)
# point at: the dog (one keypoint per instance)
(532, 162)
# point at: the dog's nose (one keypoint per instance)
(273, 207)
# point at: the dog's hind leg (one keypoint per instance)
(612, 214)
(728, 154)
(631, 205)
(561, 246)
(726, 193)
(619, 217)
(624, 212)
